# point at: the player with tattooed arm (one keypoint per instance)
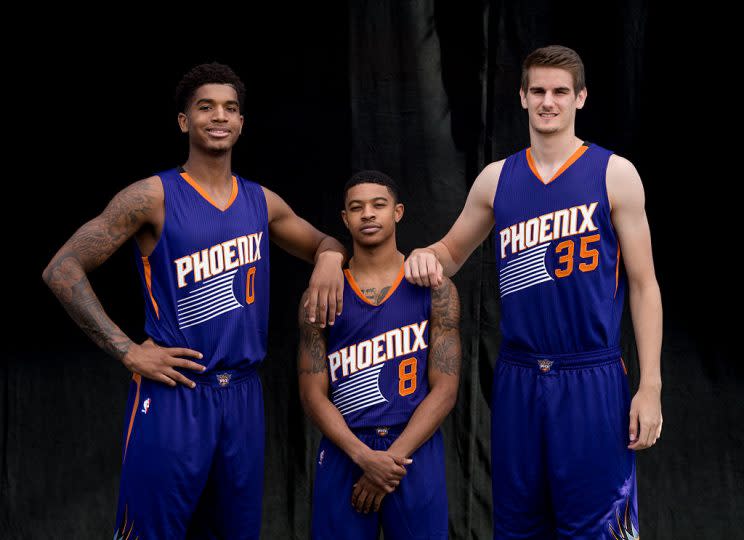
(379, 383)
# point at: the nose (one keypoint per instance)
(548, 99)
(219, 113)
(368, 212)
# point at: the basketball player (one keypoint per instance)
(564, 429)
(379, 383)
(194, 431)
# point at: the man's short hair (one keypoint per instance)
(213, 73)
(373, 177)
(556, 56)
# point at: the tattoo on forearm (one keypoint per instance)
(312, 344)
(90, 246)
(444, 350)
(375, 297)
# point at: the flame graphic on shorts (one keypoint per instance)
(122, 533)
(626, 530)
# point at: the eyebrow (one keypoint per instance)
(207, 100)
(565, 88)
(372, 199)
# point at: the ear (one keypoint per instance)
(345, 219)
(581, 98)
(399, 212)
(240, 131)
(523, 98)
(183, 122)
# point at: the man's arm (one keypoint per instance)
(425, 266)
(297, 237)
(627, 200)
(384, 469)
(86, 250)
(444, 377)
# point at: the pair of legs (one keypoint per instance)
(559, 437)
(417, 509)
(193, 459)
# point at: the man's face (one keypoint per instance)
(212, 119)
(550, 99)
(370, 214)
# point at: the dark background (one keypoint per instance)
(426, 91)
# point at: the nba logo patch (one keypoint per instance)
(545, 365)
(146, 406)
(320, 458)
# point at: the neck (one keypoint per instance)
(209, 169)
(376, 260)
(554, 147)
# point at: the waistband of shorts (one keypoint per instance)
(381, 430)
(221, 378)
(597, 357)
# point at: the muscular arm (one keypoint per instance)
(88, 248)
(443, 371)
(425, 265)
(297, 237)
(625, 191)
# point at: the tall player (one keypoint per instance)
(194, 433)
(379, 383)
(564, 429)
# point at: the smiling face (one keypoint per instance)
(550, 100)
(212, 118)
(370, 213)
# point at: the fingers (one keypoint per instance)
(400, 460)
(179, 377)
(160, 377)
(331, 298)
(180, 351)
(361, 500)
(340, 298)
(187, 364)
(311, 305)
(633, 428)
(377, 502)
(322, 307)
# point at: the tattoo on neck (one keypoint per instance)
(374, 296)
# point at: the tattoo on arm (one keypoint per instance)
(375, 297)
(87, 249)
(444, 349)
(312, 345)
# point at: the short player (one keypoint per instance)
(564, 429)
(378, 383)
(193, 444)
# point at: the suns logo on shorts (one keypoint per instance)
(626, 529)
(223, 378)
(545, 365)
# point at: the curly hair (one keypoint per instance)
(202, 74)
(373, 177)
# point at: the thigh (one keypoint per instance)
(592, 472)
(417, 509)
(521, 500)
(169, 439)
(333, 516)
(231, 505)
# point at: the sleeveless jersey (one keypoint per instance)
(560, 279)
(377, 354)
(206, 283)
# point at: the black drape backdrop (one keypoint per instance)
(426, 91)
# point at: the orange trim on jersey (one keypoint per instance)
(390, 292)
(138, 380)
(617, 270)
(204, 194)
(625, 369)
(570, 161)
(148, 281)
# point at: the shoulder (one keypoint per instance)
(145, 192)
(623, 181)
(484, 187)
